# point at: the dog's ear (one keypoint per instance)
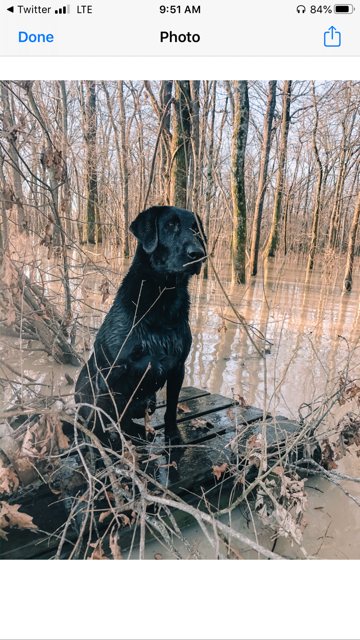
(145, 228)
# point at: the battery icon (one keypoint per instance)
(343, 8)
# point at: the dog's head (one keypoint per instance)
(172, 238)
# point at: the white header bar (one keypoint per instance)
(205, 28)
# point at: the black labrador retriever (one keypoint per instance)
(145, 338)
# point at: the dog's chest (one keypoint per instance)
(165, 345)
(167, 342)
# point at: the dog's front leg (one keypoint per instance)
(174, 383)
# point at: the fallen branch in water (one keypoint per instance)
(27, 311)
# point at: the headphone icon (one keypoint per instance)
(301, 8)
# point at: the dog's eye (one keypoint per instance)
(171, 225)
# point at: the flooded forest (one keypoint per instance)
(273, 171)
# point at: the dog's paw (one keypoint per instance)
(134, 430)
(173, 437)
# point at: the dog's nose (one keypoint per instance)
(195, 252)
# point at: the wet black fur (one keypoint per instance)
(147, 324)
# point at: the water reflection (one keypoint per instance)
(301, 319)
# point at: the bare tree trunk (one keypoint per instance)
(163, 112)
(239, 140)
(351, 248)
(180, 142)
(4, 233)
(65, 200)
(337, 198)
(102, 169)
(91, 164)
(165, 94)
(272, 242)
(140, 128)
(210, 177)
(34, 189)
(52, 160)
(142, 162)
(343, 163)
(231, 99)
(195, 140)
(221, 131)
(116, 138)
(255, 238)
(286, 221)
(289, 194)
(198, 154)
(318, 187)
(79, 217)
(9, 123)
(350, 197)
(124, 164)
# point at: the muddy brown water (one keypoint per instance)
(303, 358)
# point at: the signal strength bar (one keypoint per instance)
(64, 9)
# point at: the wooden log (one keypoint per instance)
(53, 340)
(278, 429)
(39, 316)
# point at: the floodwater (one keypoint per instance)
(310, 330)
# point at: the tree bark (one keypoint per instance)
(272, 242)
(345, 155)
(163, 112)
(210, 177)
(255, 238)
(65, 199)
(195, 141)
(14, 156)
(195, 114)
(180, 145)
(231, 99)
(345, 216)
(199, 143)
(165, 94)
(351, 248)
(116, 138)
(125, 170)
(4, 233)
(239, 140)
(318, 187)
(91, 168)
(142, 156)
(288, 198)
(53, 162)
(335, 213)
